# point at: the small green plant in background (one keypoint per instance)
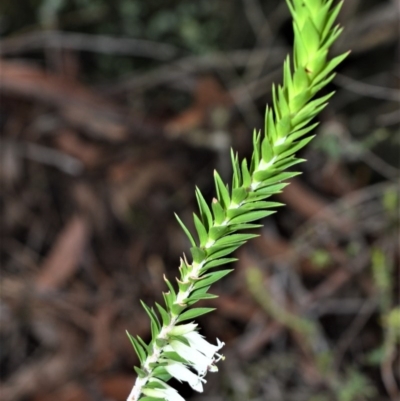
(176, 348)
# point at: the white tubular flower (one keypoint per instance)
(198, 342)
(200, 354)
(182, 373)
(166, 393)
(195, 358)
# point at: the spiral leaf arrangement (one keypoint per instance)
(176, 348)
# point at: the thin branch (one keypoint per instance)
(361, 88)
(85, 42)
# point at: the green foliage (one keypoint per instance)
(356, 387)
(236, 208)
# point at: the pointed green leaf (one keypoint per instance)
(201, 230)
(185, 229)
(232, 239)
(267, 151)
(331, 19)
(236, 176)
(171, 288)
(246, 177)
(205, 211)
(140, 352)
(296, 146)
(219, 262)
(164, 315)
(222, 192)
(251, 216)
(141, 373)
(198, 254)
(192, 313)
(219, 213)
(239, 195)
(219, 231)
(220, 251)
(211, 278)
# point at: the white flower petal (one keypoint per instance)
(197, 341)
(199, 361)
(182, 373)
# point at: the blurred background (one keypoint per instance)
(111, 113)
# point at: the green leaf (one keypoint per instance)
(182, 339)
(220, 251)
(245, 226)
(161, 342)
(283, 103)
(296, 146)
(231, 239)
(219, 213)
(171, 288)
(169, 299)
(310, 37)
(299, 133)
(154, 322)
(211, 278)
(297, 102)
(202, 290)
(246, 177)
(161, 373)
(270, 190)
(231, 213)
(321, 18)
(201, 230)
(317, 63)
(198, 254)
(300, 49)
(140, 352)
(192, 313)
(219, 231)
(284, 164)
(164, 315)
(300, 80)
(251, 216)
(236, 176)
(145, 346)
(205, 211)
(267, 151)
(153, 384)
(287, 77)
(255, 160)
(141, 373)
(219, 262)
(270, 129)
(239, 195)
(283, 126)
(196, 298)
(329, 67)
(185, 229)
(281, 177)
(222, 192)
(173, 356)
(331, 20)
